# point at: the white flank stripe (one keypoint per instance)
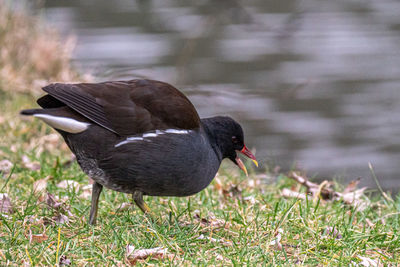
(129, 140)
(62, 123)
(134, 138)
(176, 131)
(151, 134)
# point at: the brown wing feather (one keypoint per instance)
(80, 101)
(130, 107)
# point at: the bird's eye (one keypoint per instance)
(234, 140)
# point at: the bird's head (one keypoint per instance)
(229, 139)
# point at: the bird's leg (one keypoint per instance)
(96, 190)
(138, 198)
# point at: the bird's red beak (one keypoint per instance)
(245, 151)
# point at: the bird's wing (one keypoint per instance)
(128, 107)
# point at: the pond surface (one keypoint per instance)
(315, 84)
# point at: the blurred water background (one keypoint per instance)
(315, 84)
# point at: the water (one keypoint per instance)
(314, 83)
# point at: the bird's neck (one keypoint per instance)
(215, 134)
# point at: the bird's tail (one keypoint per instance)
(30, 112)
(60, 118)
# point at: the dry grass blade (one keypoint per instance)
(30, 53)
(389, 199)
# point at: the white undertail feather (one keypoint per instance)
(62, 123)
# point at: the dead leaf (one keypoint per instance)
(292, 194)
(124, 206)
(253, 183)
(133, 255)
(367, 262)
(221, 241)
(211, 221)
(250, 199)
(277, 239)
(61, 219)
(352, 186)
(52, 201)
(129, 250)
(69, 184)
(370, 224)
(86, 192)
(27, 163)
(39, 238)
(323, 190)
(64, 261)
(332, 231)
(5, 166)
(35, 223)
(218, 183)
(2, 256)
(50, 141)
(5, 204)
(232, 192)
(40, 185)
(33, 219)
(350, 195)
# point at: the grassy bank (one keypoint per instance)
(235, 221)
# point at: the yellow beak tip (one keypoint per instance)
(255, 162)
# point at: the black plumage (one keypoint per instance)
(141, 137)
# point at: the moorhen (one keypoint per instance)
(142, 137)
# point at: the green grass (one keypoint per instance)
(219, 226)
(235, 227)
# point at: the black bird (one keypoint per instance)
(141, 137)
